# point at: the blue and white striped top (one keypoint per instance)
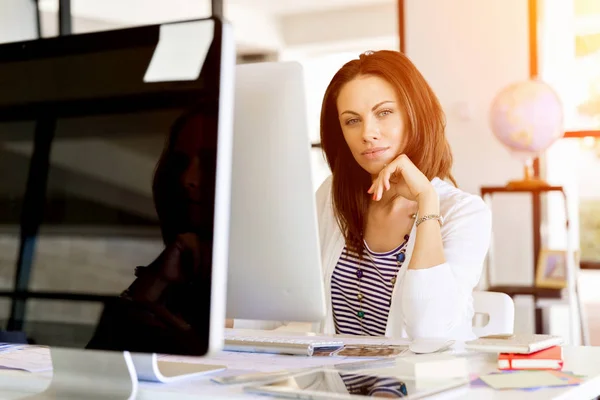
(368, 385)
(361, 293)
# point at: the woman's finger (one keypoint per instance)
(375, 188)
(405, 166)
(386, 179)
(380, 190)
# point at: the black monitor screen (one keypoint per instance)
(107, 184)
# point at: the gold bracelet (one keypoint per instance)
(424, 218)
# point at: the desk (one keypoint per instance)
(580, 360)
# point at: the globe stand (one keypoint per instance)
(529, 182)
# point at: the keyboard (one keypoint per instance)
(279, 345)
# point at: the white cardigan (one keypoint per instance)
(433, 302)
(426, 303)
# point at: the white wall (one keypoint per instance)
(17, 20)
(318, 72)
(468, 50)
(49, 20)
(350, 24)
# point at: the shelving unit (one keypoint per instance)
(571, 293)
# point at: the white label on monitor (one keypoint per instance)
(180, 52)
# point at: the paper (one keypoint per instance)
(522, 380)
(181, 51)
(8, 347)
(28, 358)
(368, 350)
(568, 379)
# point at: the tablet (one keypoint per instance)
(353, 385)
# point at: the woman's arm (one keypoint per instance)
(446, 262)
(429, 249)
(436, 296)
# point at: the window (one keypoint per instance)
(569, 55)
(318, 73)
(570, 58)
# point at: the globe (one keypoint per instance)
(527, 118)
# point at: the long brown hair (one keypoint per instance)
(426, 143)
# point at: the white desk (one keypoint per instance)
(579, 360)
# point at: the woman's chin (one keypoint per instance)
(373, 168)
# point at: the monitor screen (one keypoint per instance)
(108, 178)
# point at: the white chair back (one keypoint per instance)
(499, 309)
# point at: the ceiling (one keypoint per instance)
(112, 9)
(290, 7)
(260, 26)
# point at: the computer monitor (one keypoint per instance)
(274, 255)
(115, 157)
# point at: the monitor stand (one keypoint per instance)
(149, 369)
(92, 374)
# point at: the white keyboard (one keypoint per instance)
(278, 345)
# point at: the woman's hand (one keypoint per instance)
(407, 179)
(180, 262)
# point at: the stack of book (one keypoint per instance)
(523, 352)
(548, 359)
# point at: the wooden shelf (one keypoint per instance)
(595, 265)
(536, 210)
(539, 293)
(504, 189)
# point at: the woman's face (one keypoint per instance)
(372, 121)
(194, 154)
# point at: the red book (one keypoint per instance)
(550, 358)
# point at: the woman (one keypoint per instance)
(402, 246)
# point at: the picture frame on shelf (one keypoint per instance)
(551, 270)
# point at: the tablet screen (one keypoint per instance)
(355, 384)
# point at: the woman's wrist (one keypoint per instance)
(428, 203)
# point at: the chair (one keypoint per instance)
(495, 308)
(499, 309)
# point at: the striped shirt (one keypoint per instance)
(370, 385)
(353, 278)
